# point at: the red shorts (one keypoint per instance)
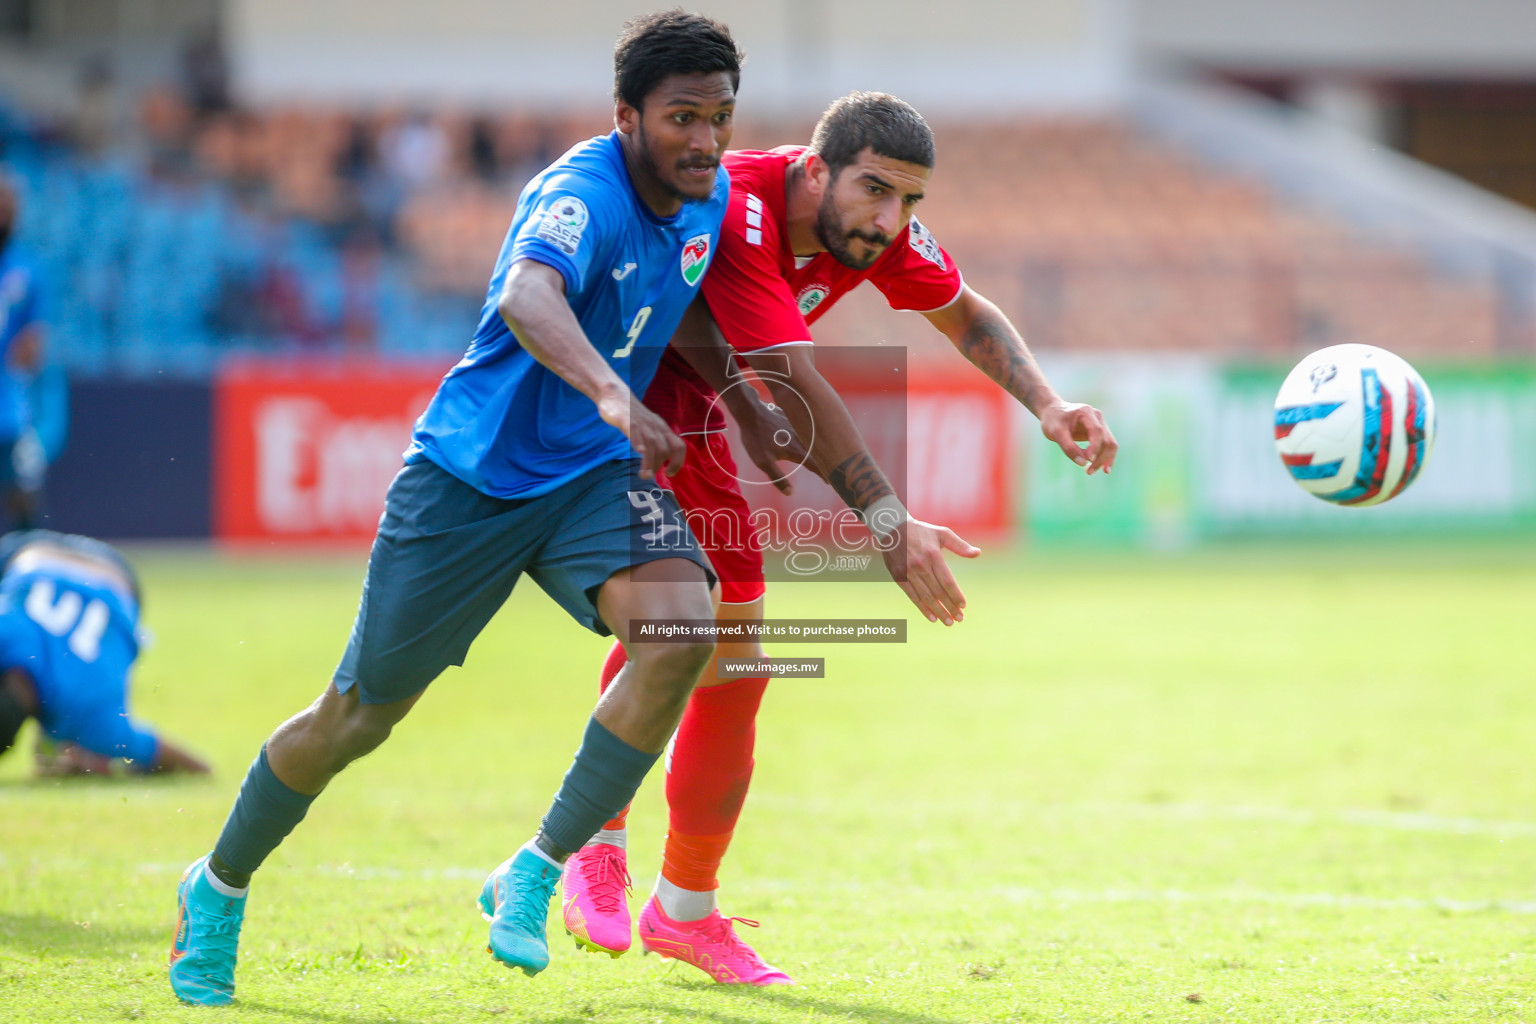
(710, 496)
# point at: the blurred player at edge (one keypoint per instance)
(69, 619)
(805, 226)
(24, 457)
(533, 456)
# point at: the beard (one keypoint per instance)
(651, 166)
(836, 238)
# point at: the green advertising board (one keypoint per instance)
(1197, 458)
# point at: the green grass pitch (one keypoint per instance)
(1271, 785)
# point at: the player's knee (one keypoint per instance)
(359, 735)
(349, 729)
(674, 665)
(691, 659)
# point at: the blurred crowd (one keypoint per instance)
(435, 184)
(177, 216)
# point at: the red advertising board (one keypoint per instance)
(944, 439)
(305, 451)
(960, 452)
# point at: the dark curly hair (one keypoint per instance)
(871, 120)
(654, 46)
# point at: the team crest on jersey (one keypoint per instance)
(810, 297)
(695, 258)
(922, 243)
(563, 224)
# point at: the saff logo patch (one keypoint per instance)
(810, 297)
(922, 242)
(563, 224)
(695, 258)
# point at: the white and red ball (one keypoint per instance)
(1354, 424)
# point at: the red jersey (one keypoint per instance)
(761, 295)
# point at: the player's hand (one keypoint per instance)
(918, 566)
(55, 760)
(1068, 423)
(769, 440)
(648, 434)
(171, 758)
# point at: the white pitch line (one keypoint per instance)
(1404, 821)
(1007, 893)
(1395, 820)
(1284, 899)
(1027, 894)
(366, 874)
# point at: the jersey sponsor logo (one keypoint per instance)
(810, 297)
(695, 258)
(563, 223)
(619, 275)
(922, 242)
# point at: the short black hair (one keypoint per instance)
(872, 120)
(654, 46)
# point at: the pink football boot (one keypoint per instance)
(593, 902)
(711, 945)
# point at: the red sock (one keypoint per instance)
(690, 862)
(615, 661)
(707, 779)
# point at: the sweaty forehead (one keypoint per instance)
(903, 174)
(701, 88)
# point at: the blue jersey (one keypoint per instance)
(503, 423)
(20, 307)
(75, 635)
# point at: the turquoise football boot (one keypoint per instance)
(207, 937)
(515, 899)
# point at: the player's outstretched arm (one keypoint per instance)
(533, 304)
(817, 411)
(171, 758)
(112, 734)
(766, 433)
(989, 340)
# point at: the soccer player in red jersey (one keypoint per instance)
(804, 227)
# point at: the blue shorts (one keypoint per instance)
(447, 556)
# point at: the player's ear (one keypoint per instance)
(818, 176)
(625, 117)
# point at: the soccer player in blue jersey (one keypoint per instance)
(535, 455)
(69, 616)
(23, 458)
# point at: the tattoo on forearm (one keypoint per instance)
(995, 348)
(859, 482)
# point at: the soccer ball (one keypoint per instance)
(1354, 424)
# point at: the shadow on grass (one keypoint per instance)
(38, 935)
(790, 1000)
(112, 783)
(751, 1002)
(288, 1012)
